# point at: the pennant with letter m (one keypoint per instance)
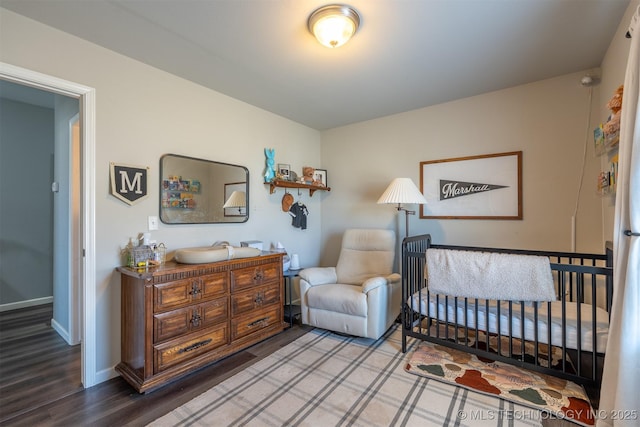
(129, 183)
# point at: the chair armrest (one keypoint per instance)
(319, 275)
(376, 282)
(394, 278)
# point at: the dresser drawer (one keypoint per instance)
(255, 299)
(183, 349)
(184, 320)
(247, 277)
(183, 292)
(256, 322)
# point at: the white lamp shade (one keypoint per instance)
(402, 190)
(238, 199)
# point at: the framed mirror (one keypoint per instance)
(199, 191)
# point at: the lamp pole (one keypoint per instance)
(407, 212)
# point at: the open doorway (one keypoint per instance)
(85, 271)
(40, 247)
(27, 144)
(40, 224)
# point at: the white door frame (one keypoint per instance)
(86, 96)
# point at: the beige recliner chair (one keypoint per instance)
(360, 295)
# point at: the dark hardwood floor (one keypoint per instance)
(36, 365)
(40, 378)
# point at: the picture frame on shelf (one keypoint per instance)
(320, 176)
(284, 171)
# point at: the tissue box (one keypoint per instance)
(252, 244)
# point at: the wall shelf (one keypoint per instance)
(288, 184)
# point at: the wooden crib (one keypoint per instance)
(517, 332)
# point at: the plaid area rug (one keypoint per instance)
(325, 379)
(558, 397)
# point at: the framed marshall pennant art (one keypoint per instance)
(476, 187)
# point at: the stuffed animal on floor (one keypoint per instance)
(612, 126)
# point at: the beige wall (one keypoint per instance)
(143, 113)
(546, 120)
(551, 121)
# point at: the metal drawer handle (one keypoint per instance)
(195, 319)
(195, 288)
(258, 276)
(259, 298)
(194, 346)
(259, 322)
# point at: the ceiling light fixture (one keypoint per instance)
(334, 25)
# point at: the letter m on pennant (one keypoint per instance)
(129, 183)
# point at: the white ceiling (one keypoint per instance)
(407, 54)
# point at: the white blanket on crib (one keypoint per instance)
(489, 275)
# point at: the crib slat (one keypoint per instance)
(510, 328)
(594, 335)
(535, 333)
(580, 299)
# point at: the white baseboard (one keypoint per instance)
(27, 303)
(61, 331)
(106, 375)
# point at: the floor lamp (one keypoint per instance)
(403, 190)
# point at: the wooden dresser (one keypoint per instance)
(179, 317)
